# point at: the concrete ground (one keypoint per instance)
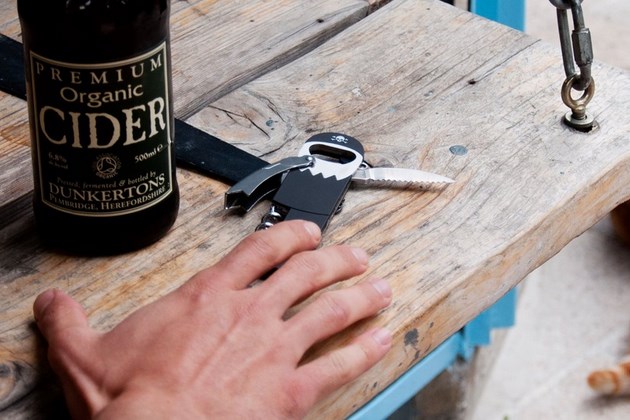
(573, 314)
(573, 317)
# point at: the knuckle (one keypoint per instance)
(374, 298)
(259, 245)
(353, 257)
(346, 366)
(339, 371)
(199, 290)
(298, 230)
(365, 355)
(307, 263)
(296, 402)
(335, 311)
(311, 284)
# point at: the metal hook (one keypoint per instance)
(578, 118)
(577, 48)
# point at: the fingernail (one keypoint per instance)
(382, 287)
(382, 336)
(42, 302)
(312, 229)
(360, 255)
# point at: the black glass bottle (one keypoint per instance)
(98, 78)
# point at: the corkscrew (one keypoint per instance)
(313, 185)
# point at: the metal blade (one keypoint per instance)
(400, 175)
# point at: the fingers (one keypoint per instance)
(56, 312)
(324, 375)
(261, 251)
(308, 272)
(334, 311)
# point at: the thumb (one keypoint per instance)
(55, 312)
(63, 323)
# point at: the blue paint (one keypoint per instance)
(507, 12)
(408, 385)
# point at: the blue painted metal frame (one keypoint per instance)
(477, 332)
(462, 344)
(507, 12)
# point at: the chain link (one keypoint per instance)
(577, 48)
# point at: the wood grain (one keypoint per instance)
(220, 45)
(437, 78)
(410, 81)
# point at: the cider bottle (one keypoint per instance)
(98, 78)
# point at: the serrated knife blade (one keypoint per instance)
(400, 175)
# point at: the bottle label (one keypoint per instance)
(103, 133)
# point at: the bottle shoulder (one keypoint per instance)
(93, 30)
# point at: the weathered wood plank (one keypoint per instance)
(219, 46)
(9, 23)
(437, 77)
(15, 151)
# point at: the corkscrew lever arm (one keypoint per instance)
(246, 193)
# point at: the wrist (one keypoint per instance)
(148, 403)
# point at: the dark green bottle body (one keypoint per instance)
(99, 92)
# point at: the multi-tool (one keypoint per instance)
(312, 185)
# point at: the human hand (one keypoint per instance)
(216, 348)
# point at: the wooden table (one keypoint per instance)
(410, 80)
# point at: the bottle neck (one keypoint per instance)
(93, 31)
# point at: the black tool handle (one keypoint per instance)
(317, 192)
